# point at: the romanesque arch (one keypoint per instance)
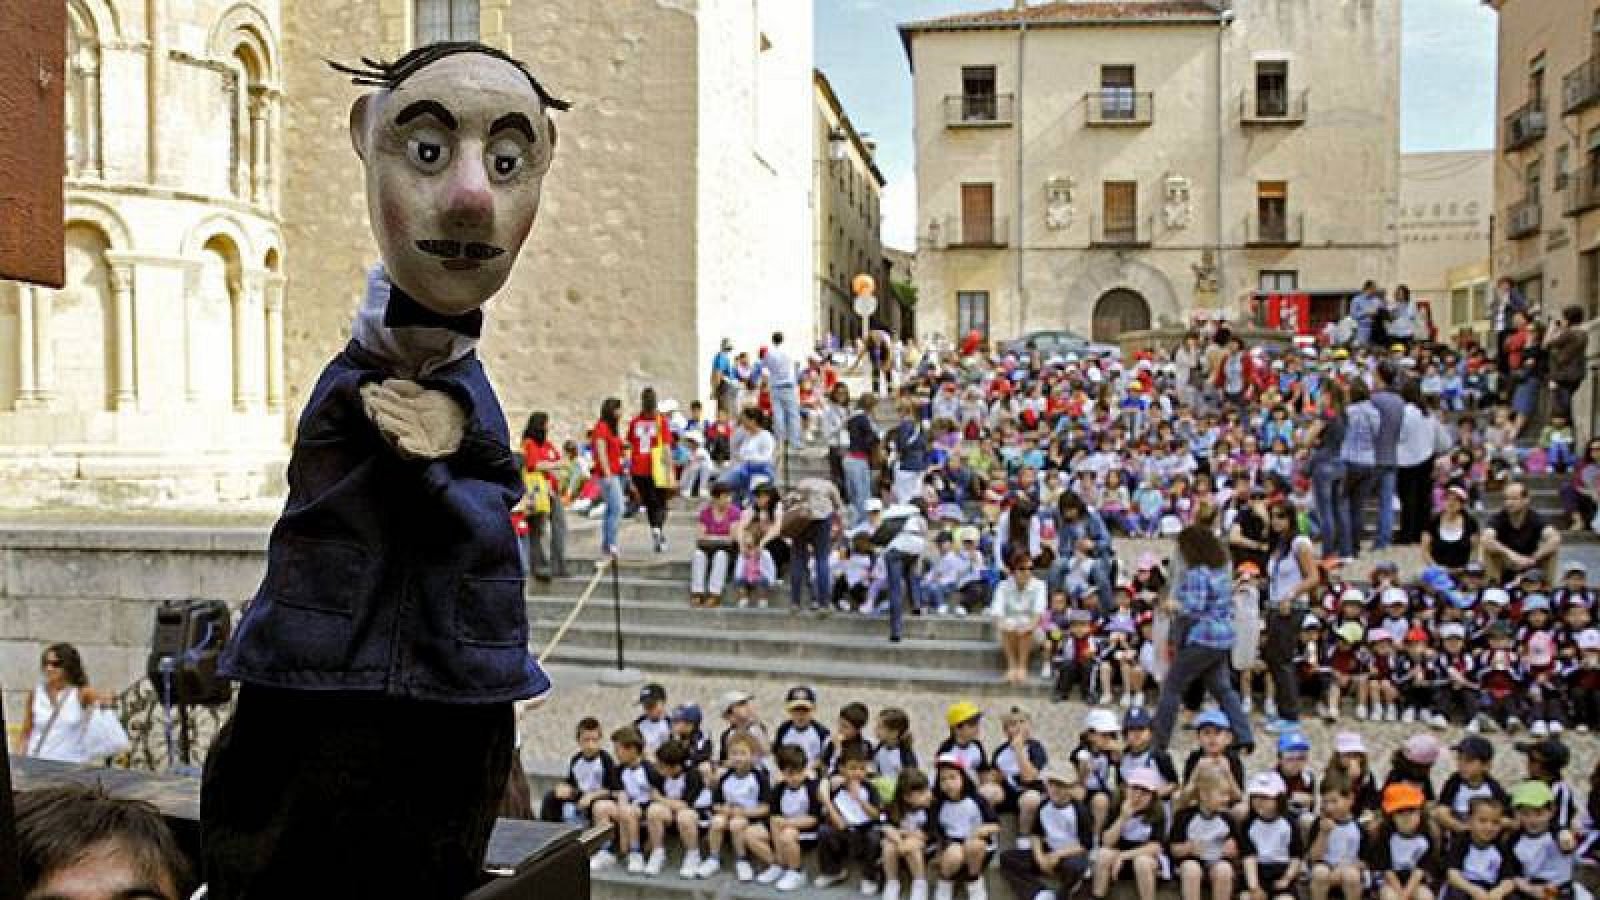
(1110, 274)
(84, 209)
(242, 40)
(214, 226)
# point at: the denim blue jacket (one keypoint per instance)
(392, 575)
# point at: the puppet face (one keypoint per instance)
(454, 157)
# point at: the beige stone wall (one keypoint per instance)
(1446, 202)
(1341, 163)
(847, 202)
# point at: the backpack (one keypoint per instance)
(186, 643)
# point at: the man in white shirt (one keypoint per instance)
(783, 385)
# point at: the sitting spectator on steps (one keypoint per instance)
(1518, 539)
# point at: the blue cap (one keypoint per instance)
(1437, 579)
(689, 712)
(1293, 742)
(1211, 718)
(1138, 717)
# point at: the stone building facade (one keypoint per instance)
(847, 195)
(1108, 166)
(217, 234)
(1446, 213)
(157, 375)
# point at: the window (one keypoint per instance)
(1272, 210)
(1593, 156)
(445, 20)
(1562, 167)
(978, 94)
(1116, 92)
(1279, 282)
(1536, 82)
(1533, 179)
(1122, 212)
(1272, 88)
(977, 214)
(972, 313)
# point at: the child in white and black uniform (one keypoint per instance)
(894, 753)
(795, 803)
(800, 730)
(848, 737)
(1013, 782)
(681, 801)
(1096, 759)
(849, 831)
(965, 721)
(1269, 841)
(633, 785)
(1545, 857)
(738, 802)
(1470, 781)
(1338, 842)
(964, 829)
(1402, 857)
(1203, 843)
(1135, 841)
(907, 834)
(653, 724)
(1480, 860)
(1057, 859)
(588, 773)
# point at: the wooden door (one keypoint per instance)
(977, 214)
(1122, 212)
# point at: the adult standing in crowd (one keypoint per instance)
(754, 450)
(860, 455)
(1386, 446)
(1518, 539)
(1523, 358)
(1401, 318)
(900, 561)
(650, 445)
(1203, 632)
(812, 540)
(55, 724)
(1580, 497)
(1233, 375)
(1508, 301)
(1367, 309)
(1451, 539)
(1248, 539)
(607, 440)
(1326, 439)
(910, 445)
(541, 458)
(1422, 438)
(1018, 603)
(1566, 345)
(834, 433)
(1080, 529)
(1187, 362)
(1360, 457)
(1292, 576)
(783, 386)
(724, 380)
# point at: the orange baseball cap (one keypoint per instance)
(1401, 796)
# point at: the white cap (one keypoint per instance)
(874, 504)
(1497, 596)
(1395, 595)
(734, 698)
(1267, 784)
(1452, 630)
(1589, 639)
(1353, 595)
(1103, 721)
(1349, 742)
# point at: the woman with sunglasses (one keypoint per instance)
(1018, 603)
(54, 724)
(1581, 496)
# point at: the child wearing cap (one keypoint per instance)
(1059, 850)
(848, 835)
(1583, 681)
(588, 774)
(1544, 855)
(1269, 842)
(682, 802)
(795, 804)
(686, 721)
(1350, 757)
(907, 837)
(1403, 854)
(1501, 679)
(1134, 843)
(1470, 781)
(1139, 750)
(1012, 783)
(1347, 664)
(1311, 666)
(1478, 864)
(1413, 764)
(633, 783)
(965, 721)
(1215, 752)
(652, 722)
(1338, 842)
(1537, 645)
(1300, 782)
(1413, 675)
(1099, 746)
(964, 829)
(738, 801)
(801, 730)
(1076, 658)
(1382, 694)
(1203, 842)
(1455, 671)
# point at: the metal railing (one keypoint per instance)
(1523, 219)
(979, 110)
(1287, 230)
(1525, 125)
(1121, 233)
(1283, 107)
(1583, 190)
(1580, 89)
(960, 231)
(1114, 106)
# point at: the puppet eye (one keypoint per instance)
(505, 159)
(428, 150)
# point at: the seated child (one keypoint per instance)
(1338, 842)
(753, 570)
(1203, 841)
(681, 802)
(795, 802)
(1134, 842)
(964, 829)
(1478, 864)
(1269, 841)
(907, 834)
(588, 772)
(738, 803)
(849, 829)
(1055, 861)
(1403, 858)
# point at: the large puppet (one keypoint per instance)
(382, 657)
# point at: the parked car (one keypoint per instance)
(1060, 343)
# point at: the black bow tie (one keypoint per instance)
(404, 311)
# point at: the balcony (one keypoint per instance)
(1580, 89)
(979, 110)
(1523, 219)
(1121, 234)
(960, 232)
(1583, 190)
(1120, 108)
(1525, 126)
(1272, 107)
(1284, 230)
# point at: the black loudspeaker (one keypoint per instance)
(187, 641)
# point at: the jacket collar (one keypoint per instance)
(407, 338)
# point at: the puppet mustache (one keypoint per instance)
(456, 249)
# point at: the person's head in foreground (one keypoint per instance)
(77, 843)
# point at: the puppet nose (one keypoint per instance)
(469, 203)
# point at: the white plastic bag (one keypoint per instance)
(103, 735)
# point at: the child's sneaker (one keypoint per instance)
(1361, 713)
(792, 880)
(1539, 729)
(1044, 670)
(1244, 703)
(1024, 842)
(1408, 715)
(602, 861)
(944, 609)
(1555, 727)
(919, 889)
(1127, 701)
(691, 864)
(710, 867)
(1269, 709)
(944, 890)
(891, 889)
(636, 863)
(657, 861)
(1513, 724)
(977, 890)
(762, 602)
(1473, 727)
(869, 888)
(744, 602)
(823, 881)
(1391, 714)
(771, 875)
(744, 870)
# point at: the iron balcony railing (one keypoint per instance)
(1525, 125)
(1285, 230)
(1277, 107)
(1580, 89)
(1114, 106)
(960, 231)
(1523, 219)
(979, 110)
(1121, 232)
(1583, 190)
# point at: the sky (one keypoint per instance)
(1446, 92)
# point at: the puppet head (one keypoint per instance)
(456, 143)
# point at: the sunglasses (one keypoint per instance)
(52, 664)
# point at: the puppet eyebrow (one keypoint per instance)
(427, 108)
(515, 121)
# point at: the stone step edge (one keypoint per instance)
(819, 641)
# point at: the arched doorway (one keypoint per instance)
(1118, 311)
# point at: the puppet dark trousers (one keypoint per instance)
(335, 794)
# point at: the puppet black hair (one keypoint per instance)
(390, 75)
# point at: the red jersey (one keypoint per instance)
(645, 433)
(534, 453)
(609, 446)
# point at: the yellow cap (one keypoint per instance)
(961, 712)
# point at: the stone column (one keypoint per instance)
(44, 353)
(91, 165)
(27, 387)
(259, 102)
(126, 393)
(236, 293)
(249, 343)
(274, 315)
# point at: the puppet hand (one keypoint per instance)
(419, 422)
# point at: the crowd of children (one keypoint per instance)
(859, 801)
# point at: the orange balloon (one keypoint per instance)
(863, 284)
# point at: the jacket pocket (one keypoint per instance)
(490, 612)
(317, 575)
